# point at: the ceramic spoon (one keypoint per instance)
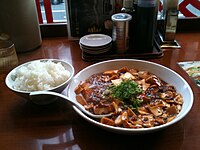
(38, 94)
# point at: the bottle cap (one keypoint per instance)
(121, 17)
(146, 3)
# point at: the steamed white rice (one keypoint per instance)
(39, 75)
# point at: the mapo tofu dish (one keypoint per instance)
(135, 98)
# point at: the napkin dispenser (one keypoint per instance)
(167, 29)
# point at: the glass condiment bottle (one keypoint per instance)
(146, 24)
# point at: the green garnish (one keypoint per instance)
(127, 91)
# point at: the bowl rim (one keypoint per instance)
(139, 130)
(26, 63)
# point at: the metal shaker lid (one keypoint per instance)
(121, 17)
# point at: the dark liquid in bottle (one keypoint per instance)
(146, 17)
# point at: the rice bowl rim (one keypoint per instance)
(9, 75)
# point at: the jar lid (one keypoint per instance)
(121, 17)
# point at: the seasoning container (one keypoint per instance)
(146, 24)
(120, 34)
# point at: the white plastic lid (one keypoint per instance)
(121, 17)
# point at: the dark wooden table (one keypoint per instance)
(27, 126)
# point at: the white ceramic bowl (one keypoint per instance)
(163, 72)
(42, 99)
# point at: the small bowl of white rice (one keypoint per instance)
(40, 75)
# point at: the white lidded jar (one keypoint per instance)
(18, 19)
